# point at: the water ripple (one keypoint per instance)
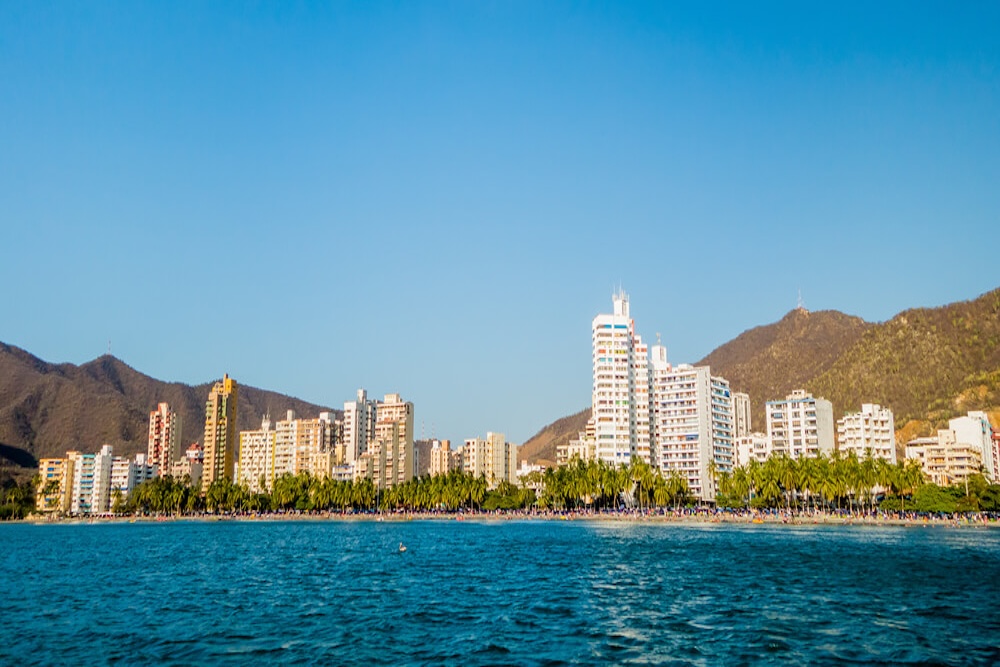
(496, 593)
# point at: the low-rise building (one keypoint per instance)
(944, 460)
(492, 457)
(190, 465)
(752, 447)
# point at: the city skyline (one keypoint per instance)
(436, 199)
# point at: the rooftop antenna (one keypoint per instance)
(657, 337)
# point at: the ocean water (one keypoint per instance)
(495, 593)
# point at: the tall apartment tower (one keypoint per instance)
(91, 493)
(220, 432)
(164, 438)
(869, 432)
(359, 426)
(800, 425)
(392, 447)
(256, 457)
(741, 414)
(620, 401)
(692, 423)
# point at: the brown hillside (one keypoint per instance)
(927, 364)
(541, 447)
(769, 361)
(47, 409)
(924, 363)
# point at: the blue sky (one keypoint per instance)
(437, 198)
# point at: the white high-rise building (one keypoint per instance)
(620, 401)
(869, 432)
(359, 426)
(975, 429)
(800, 425)
(91, 481)
(255, 469)
(741, 414)
(692, 423)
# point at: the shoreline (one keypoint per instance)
(668, 518)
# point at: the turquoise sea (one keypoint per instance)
(495, 593)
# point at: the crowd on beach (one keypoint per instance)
(689, 515)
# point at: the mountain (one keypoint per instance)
(927, 364)
(768, 362)
(541, 447)
(47, 409)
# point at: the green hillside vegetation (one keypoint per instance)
(926, 364)
(768, 362)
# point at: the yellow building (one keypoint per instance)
(55, 489)
(220, 432)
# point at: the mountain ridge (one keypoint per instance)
(926, 364)
(47, 409)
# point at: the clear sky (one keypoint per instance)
(436, 199)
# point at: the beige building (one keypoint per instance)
(444, 459)
(164, 442)
(583, 447)
(220, 432)
(389, 459)
(944, 460)
(190, 465)
(869, 432)
(304, 445)
(492, 457)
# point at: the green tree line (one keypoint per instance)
(850, 483)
